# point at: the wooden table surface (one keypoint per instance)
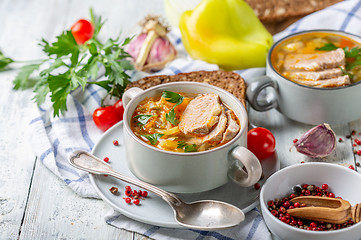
(34, 203)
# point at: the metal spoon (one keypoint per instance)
(201, 215)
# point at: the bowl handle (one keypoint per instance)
(130, 94)
(244, 158)
(255, 88)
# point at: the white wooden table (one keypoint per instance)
(34, 203)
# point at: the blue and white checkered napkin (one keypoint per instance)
(54, 138)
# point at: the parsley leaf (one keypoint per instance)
(327, 47)
(173, 97)
(143, 119)
(186, 147)
(4, 61)
(153, 138)
(170, 117)
(22, 80)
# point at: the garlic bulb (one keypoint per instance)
(151, 50)
(318, 142)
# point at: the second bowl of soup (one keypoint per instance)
(315, 76)
(187, 137)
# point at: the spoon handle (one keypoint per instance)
(90, 163)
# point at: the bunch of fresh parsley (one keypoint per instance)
(70, 65)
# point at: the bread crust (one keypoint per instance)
(229, 81)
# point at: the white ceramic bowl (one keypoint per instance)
(343, 181)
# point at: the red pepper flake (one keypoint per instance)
(340, 140)
(351, 167)
(295, 140)
(115, 143)
(357, 141)
(106, 159)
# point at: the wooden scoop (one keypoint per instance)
(325, 209)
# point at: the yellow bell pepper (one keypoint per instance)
(227, 33)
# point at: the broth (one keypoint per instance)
(190, 123)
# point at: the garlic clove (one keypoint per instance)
(318, 142)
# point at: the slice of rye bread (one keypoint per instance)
(273, 10)
(230, 81)
(276, 15)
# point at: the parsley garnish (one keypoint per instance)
(172, 97)
(143, 119)
(153, 138)
(327, 47)
(73, 65)
(170, 117)
(186, 147)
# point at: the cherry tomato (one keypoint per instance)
(119, 107)
(82, 31)
(261, 142)
(105, 117)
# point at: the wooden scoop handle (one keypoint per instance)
(325, 209)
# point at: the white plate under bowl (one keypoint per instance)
(153, 210)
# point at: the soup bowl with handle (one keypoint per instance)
(190, 172)
(310, 105)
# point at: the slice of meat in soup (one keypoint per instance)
(315, 61)
(319, 75)
(215, 136)
(201, 114)
(332, 82)
(232, 127)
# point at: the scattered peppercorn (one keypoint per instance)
(357, 141)
(114, 190)
(351, 167)
(348, 136)
(106, 159)
(358, 152)
(134, 195)
(115, 143)
(353, 132)
(278, 208)
(295, 140)
(257, 186)
(340, 140)
(358, 164)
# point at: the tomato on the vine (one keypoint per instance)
(82, 31)
(119, 107)
(105, 117)
(261, 142)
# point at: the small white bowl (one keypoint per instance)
(341, 180)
